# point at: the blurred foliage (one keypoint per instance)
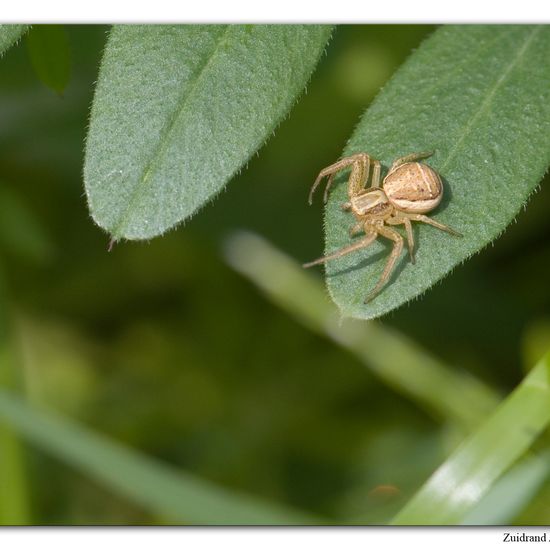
(164, 348)
(50, 55)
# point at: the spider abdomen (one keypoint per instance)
(413, 187)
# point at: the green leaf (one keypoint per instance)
(179, 109)
(171, 494)
(479, 97)
(9, 35)
(50, 55)
(460, 483)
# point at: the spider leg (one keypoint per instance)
(356, 229)
(359, 175)
(375, 182)
(390, 264)
(360, 164)
(397, 220)
(434, 223)
(411, 158)
(364, 242)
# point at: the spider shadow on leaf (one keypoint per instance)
(363, 263)
(447, 196)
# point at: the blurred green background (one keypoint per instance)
(163, 347)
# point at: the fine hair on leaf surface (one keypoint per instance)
(179, 109)
(9, 35)
(478, 97)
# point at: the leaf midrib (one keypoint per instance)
(160, 149)
(466, 129)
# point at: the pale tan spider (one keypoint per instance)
(409, 190)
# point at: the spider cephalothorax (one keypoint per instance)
(409, 190)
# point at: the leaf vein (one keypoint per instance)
(163, 142)
(487, 101)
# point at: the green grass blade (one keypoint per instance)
(171, 494)
(479, 97)
(179, 109)
(511, 494)
(50, 55)
(9, 35)
(469, 473)
(453, 395)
